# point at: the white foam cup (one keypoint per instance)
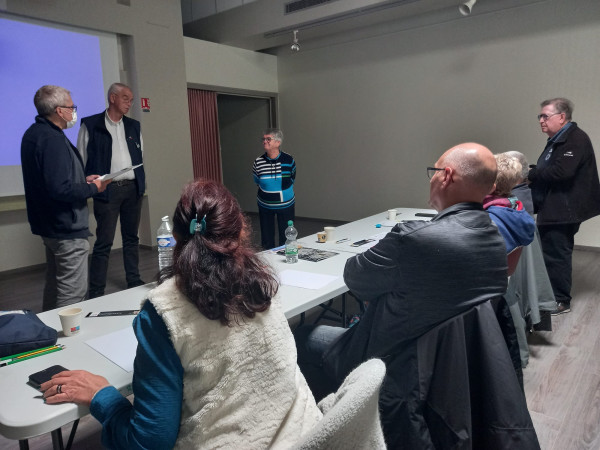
(70, 320)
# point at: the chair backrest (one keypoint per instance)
(513, 259)
(350, 415)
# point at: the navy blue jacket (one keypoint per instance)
(55, 188)
(565, 188)
(99, 149)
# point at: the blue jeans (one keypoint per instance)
(312, 341)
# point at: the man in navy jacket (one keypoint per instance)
(566, 192)
(109, 142)
(56, 193)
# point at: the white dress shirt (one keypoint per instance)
(120, 152)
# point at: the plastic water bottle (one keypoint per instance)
(291, 245)
(166, 244)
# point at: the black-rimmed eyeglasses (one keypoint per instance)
(74, 107)
(431, 172)
(545, 117)
(267, 139)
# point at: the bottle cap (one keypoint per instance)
(164, 219)
(290, 223)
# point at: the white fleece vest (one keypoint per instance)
(242, 387)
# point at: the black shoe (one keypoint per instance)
(561, 308)
(94, 294)
(135, 284)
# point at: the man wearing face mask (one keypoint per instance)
(109, 142)
(56, 193)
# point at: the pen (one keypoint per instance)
(342, 240)
(31, 355)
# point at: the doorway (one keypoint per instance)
(242, 119)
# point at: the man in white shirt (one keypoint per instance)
(108, 142)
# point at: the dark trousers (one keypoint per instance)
(124, 203)
(267, 227)
(312, 341)
(557, 247)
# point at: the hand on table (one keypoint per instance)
(77, 386)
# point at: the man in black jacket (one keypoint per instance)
(56, 193)
(109, 142)
(565, 190)
(418, 276)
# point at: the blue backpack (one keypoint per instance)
(22, 331)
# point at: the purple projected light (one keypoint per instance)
(32, 56)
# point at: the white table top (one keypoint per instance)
(364, 229)
(296, 300)
(23, 414)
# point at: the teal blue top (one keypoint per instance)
(153, 419)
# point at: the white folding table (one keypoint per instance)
(24, 415)
(364, 229)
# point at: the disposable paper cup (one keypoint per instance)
(70, 319)
(322, 236)
(330, 233)
(391, 214)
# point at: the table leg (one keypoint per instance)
(23, 444)
(57, 441)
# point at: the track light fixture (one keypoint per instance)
(466, 7)
(295, 47)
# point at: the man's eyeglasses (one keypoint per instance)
(267, 139)
(431, 171)
(545, 117)
(74, 107)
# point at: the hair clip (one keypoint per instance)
(196, 226)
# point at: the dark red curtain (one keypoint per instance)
(204, 127)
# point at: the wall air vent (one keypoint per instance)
(299, 5)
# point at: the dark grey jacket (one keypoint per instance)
(418, 276)
(565, 189)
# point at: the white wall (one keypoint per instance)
(364, 118)
(223, 67)
(155, 68)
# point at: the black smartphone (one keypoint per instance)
(361, 242)
(425, 215)
(38, 378)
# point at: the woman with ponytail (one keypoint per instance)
(216, 361)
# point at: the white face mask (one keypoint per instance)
(73, 121)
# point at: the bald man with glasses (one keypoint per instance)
(565, 191)
(419, 275)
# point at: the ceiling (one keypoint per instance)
(263, 25)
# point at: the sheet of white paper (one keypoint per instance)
(119, 347)
(305, 280)
(110, 176)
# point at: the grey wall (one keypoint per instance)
(155, 68)
(364, 117)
